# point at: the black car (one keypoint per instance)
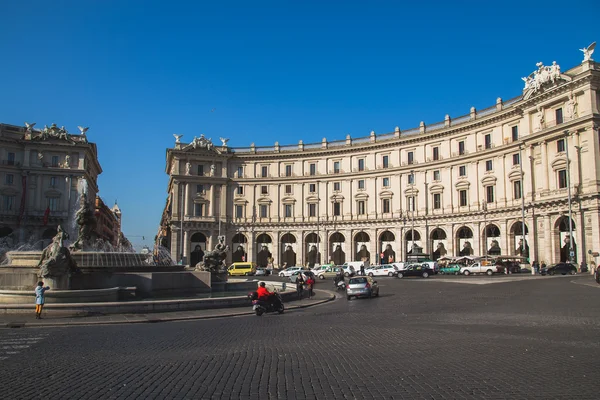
(416, 270)
(560, 268)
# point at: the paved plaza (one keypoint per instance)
(529, 338)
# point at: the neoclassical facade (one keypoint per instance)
(460, 186)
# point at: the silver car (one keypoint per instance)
(362, 286)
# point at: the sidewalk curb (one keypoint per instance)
(53, 324)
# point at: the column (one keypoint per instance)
(276, 254)
(300, 248)
(545, 166)
(39, 204)
(186, 246)
(505, 237)
(250, 245)
(533, 239)
(213, 200)
(574, 156)
(175, 244)
(176, 199)
(223, 208)
(531, 174)
(187, 200)
(548, 256)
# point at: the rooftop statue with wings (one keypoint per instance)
(588, 51)
(177, 138)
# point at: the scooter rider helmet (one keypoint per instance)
(262, 284)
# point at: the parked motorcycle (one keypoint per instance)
(340, 285)
(274, 304)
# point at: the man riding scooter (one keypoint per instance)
(266, 296)
(338, 281)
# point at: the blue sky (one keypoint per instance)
(138, 71)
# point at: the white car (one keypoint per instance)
(289, 271)
(477, 268)
(400, 266)
(319, 268)
(348, 270)
(382, 270)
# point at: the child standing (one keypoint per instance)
(309, 285)
(40, 299)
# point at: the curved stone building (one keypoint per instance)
(460, 186)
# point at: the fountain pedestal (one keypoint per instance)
(58, 283)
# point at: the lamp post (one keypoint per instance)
(522, 187)
(571, 253)
(412, 233)
(484, 208)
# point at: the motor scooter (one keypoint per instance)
(339, 283)
(274, 304)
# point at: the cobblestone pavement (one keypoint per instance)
(421, 339)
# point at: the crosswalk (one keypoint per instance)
(14, 342)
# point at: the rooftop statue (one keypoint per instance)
(588, 51)
(224, 141)
(177, 138)
(543, 75)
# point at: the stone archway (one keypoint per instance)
(387, 245)
(288, 250)
(490, 240)
(239, 242)
(517, 246)
(312, 249)
(567, 239)
(411, 237)
(265, 254)
(362, 247)
(464, 241)
(438, 240)
(337, 248)
(198, 244)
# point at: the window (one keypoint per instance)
(287, 210)
(336, 167)
(411, 203)
(361, 164)
(386, 206)
(436, 153)
(410, 156)
(8, 203)
(462, 171)
(312, 188)
(562, 179)
(559, 115)
(461, 147)
(517, 189)
(489, 194)
(240, 190)
(560, 145)
(263, 211)
(288, 170)
(200, 189)
(515, 133)
(11, 159)
(9, 179)
(288, 189)
(52, 203)
(264, 190)
(411, 179)
(52, 181)
(436, 175)
(386, 161)
(462, 196)
(200, 170)
(55, 161)
(264, 171)
(386, 182)
(361, 207)
(199, 210)
(361, 183)
(488, 141)
(337, 209)
(516, 159)
(313, 169)
(240, 172)
(489, 165)
(336, 186)
(239, 211)
(312, 210)
(437, 201)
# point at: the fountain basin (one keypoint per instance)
(60, 296)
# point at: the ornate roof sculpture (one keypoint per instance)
(201, 143)
(54, 132)
(544, 76)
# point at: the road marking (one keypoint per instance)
(15, 342)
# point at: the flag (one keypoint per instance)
(46, 215)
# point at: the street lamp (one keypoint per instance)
(571, 253)
(412, 233)
(524, 245)
(484, 208)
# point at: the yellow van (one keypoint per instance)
(242, 268)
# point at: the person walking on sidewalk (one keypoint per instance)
(299, 285)
(309, 285)
(40, 299)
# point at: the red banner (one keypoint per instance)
(23, 197)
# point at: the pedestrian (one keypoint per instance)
(362, 269)
(309, 285)
(300, 285)
(40, 299)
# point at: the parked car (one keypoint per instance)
(306, 274)
(432, 265)
(382, 270)
(260, 272)
(348, 270)
(560, 268)
(361, 286)
(416, 270)
(400, 265)
(478, 268)
(356, 265)
(242, 268)
(513, 267)
(318, 268)
(450, 269)
(330, 272)
(289, 271)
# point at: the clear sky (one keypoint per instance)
(138, 71)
